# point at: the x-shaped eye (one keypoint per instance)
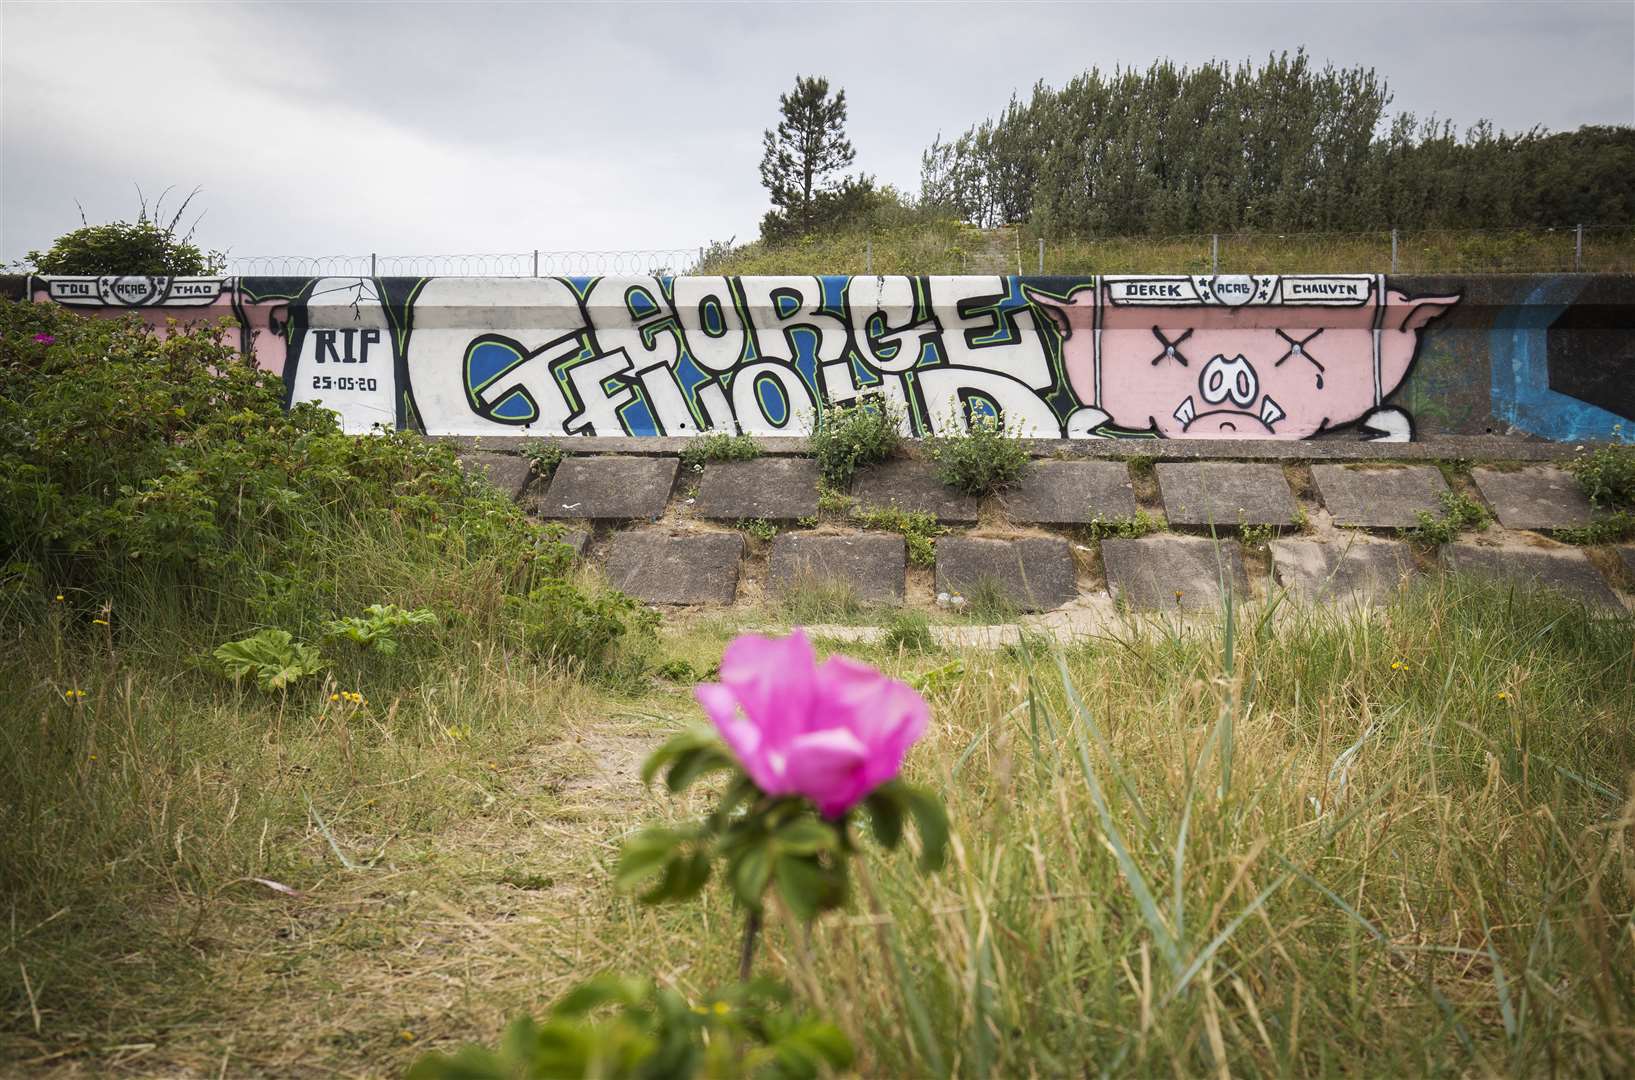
(1298, 348)
(1171, 348)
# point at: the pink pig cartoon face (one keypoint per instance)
(1262, 357)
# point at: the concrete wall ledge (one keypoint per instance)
(1438, 448)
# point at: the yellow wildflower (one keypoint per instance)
(334, 697)
(59, 598)
(1504, 695)
(73, 695)
(100, 622)
(722, 1008)
(406, 1035)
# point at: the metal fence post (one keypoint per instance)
(868, 255)
(1214, 253)
(536, 262)
(1393, 251)
(371, 264)
(1041, 255)
(1578, 249)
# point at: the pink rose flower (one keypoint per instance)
(831, 732)
(45, 339)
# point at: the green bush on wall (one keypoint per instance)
(145, 472)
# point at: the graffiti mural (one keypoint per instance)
(1186, 356)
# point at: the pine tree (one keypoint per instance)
(808, 146)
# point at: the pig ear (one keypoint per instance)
(1414, 313)
(1053, 309)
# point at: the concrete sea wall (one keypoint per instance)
(1355, 356)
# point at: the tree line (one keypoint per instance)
(1282, 146)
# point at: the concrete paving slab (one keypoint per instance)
(1225, 494)
(508, 472)
(1170, 573)
(776, 489)
(911, 485)
(873, 563)
(690, 568)
(1347, 568)
(1379, 498)
(1537, 497)
(1033, 573)
(1071, 493)
(609, 488)
(1565, 570)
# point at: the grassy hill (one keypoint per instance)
(949, 247)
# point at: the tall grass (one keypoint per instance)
(1264, 849)
(1301, 843)
(951, 248)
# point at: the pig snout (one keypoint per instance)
(1222, 378)
(1227, 383)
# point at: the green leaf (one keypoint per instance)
(643, 854)
(800, 881)
(605, 989)
(886, 816)
(931, 821)
(694, 763)
(750, 873)
(806, 836)
(675, 746)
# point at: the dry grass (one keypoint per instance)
(1245, 847)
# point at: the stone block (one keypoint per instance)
(776, 489)
(1033, 573)
(508, 472)
(1627, 554)
(1379, 498)
(1170, 573)
(912, 485)
(1348, 568)
(609, 488)
(1567, 571)
(1537, 497)
(1071, 493)
(689, 568)
(873, 563)
(1225, 494)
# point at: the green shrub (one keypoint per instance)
(719, 446)
(377, 627)
(141, 247)
(599, 632)
(1125, 528)
(274, 657)
(982, 459)
(918, 528)
(1607, 475)
(760, 528)
(849, 436)
(1459, 512)
(140, 474)
(908, 631)
(544, 457)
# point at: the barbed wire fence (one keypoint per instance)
(513, 264)
(1567, 249)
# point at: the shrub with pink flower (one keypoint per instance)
(807, 747)
(46, 339)
(830, 732)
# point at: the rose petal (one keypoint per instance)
(775, 682)
(827, 767)
(741, 735)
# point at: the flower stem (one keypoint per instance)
(746, 957)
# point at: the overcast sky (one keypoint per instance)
(439, 128)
